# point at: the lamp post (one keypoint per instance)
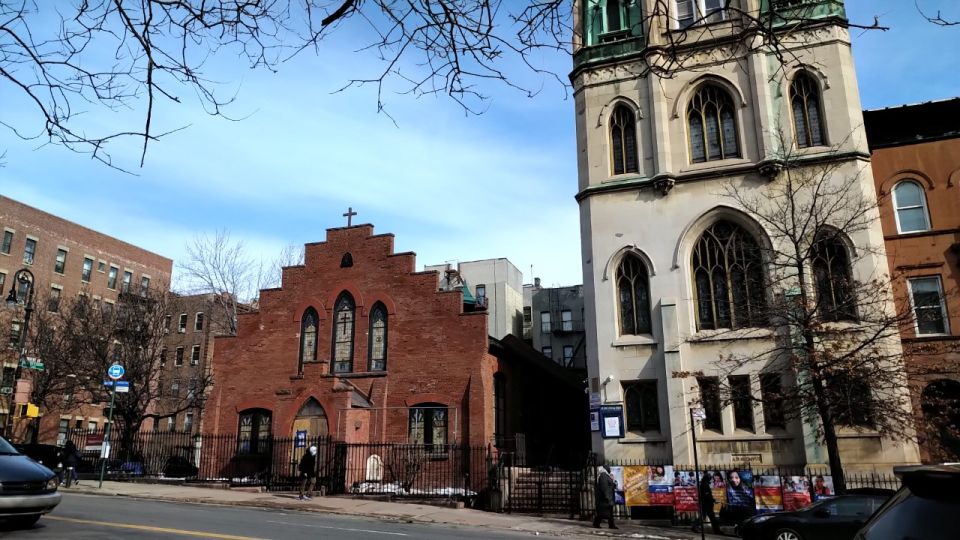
(24, 278)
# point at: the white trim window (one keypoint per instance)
(691, 12)
(929, 306)
(910, 207)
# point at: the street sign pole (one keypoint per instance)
(106, 435)
(696, 475)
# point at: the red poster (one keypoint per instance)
(796, 493)
(685, 492)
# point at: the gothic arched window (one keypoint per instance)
(253, 433)
(728, 276)
(712, 124)
(807, 114)
(428, 425)
(378, 338)
(831, 272)
(343, 322)
(911, 207)
(643, 406)
(309, 324)
(623, 140)
(633, 296)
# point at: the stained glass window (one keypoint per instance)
(378, 338)
(634, 296)
(343, 334)
(805, 102)
(728, 274)
(623, 140)
(308, 337)
(712, 125)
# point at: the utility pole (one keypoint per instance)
(115, 372)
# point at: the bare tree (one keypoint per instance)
(220, 265)
(829, 301)
(143, 54)
(938, 19)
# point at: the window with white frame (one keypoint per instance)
(29, 251)
(910, 207)
(568, 355)
(929, 306)
(182, 324)
(690, 12)
(7, 242)
(198, 323)
(544, 322)
(566, 320)
(188, 422)
(195, 355)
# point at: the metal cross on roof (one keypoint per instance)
(349, 215)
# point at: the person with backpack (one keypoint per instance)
(308, 473)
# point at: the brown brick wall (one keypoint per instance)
(436, 353)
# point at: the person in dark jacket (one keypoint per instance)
(605, 496)
(706, 503)
(71, 458)
(308, 473)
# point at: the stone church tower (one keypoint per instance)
(676, 99)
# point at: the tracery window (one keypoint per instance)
(428, 425)
(807, 113)
(712, 125)
(633, 295)
(253, 436)
(378, 338)
(728, 276)
(643, 405)
(831, 272)
(344, 316)
(623, 140)
(309, 324)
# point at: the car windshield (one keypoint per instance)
(7, 448)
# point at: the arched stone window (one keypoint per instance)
(428, 425)
(309, 324)
(712, 125)
(344, 313)
(253, 434)
(623, 140)
(807, 113)
(831, 272)
(728, 276)
(378, 338)
(910, 204)
(633, 296)
(643, 406)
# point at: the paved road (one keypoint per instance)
(89, 517)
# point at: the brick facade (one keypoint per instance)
(53, 235)
(436, 352)
(920, 144)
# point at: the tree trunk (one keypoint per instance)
(830, 439)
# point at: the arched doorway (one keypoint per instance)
(940, 403)
(312, 419)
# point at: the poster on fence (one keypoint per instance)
(617, 474)
(661, 485)
(635, 485)
(718, 485)
(769, 496)
(740, 491)
(685, 491)
(822, 487)
(796, 493)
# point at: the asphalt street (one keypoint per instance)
(89, 517)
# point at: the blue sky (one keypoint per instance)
(450, 186)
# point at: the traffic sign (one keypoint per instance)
(115, 371)
(30, 362)
(699, 414)
(123, 386)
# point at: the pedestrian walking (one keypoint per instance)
(71, 458)
(605, 496)
(706, 503)
(308, 473)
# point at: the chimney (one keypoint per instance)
(536, 282)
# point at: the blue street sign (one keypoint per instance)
(115, 371)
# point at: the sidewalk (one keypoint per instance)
(414, 513)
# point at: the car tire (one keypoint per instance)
(24, 522)
(787, 534)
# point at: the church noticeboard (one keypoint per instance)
(300, 439)
(611, 421)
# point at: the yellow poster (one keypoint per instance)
(636, 485)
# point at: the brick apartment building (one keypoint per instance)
(358, 345)
(66, 260)
(916, 164)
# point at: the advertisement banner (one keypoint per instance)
(769, 496)
(740, 491)
(635, 485)
(661, 485)
(796, 493)
(718, 485)
(617, 474)
(685, 491)
(822, 487)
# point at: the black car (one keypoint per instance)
(927, 506)
(179, 467)
(48, 455)
(836, 518)
(27, 489)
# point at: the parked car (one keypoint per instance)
(179, 467)
(835, 518)
(48, 455)
(29, 489)
(927, 506)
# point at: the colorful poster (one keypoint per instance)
(635, 482)
(796, 493)
(740, 491)
(718, 485)
(617, 474)
(661, 485)
(684, 491)
(822, 487)
(769, 496)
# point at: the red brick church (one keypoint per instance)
(358, 345)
